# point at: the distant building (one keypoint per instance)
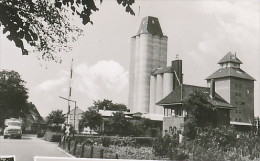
(133, 118)
(236, 87)
(74, 117)
(148, 52)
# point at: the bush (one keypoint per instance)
(106, 141)
(115, 140)
(144, 141)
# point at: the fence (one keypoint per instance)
(82, 150)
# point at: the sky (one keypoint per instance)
(201, 32)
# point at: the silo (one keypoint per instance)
(149, 51)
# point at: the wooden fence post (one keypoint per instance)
(91, 151)
(82, 151)
(69, 144)
(75, 147)
(63, 143)
(101, 153)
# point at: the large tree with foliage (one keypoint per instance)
(91, 118)
(56, 118)
(44, 25)
(13, 96)
(201, 113)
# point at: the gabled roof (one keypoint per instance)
(162, 70)
(230, 72)
(230, 57)
(150, 25)
(183, 91)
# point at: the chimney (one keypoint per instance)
(177, 73)
(212, 88)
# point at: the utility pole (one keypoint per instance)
(70, 90)
(69, 100)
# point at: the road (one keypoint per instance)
(29, 147)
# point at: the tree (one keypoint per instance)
(109, 105)
(91, 118)
(56, 118)
(119, 124)
(118, 107)
(201, 113)
(44, 25)
(13, 96)
(31, 116)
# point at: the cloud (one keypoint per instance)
(53, 84)
(236, 29)
(237, 25)
(105, 79)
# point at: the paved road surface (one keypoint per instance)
(28, 147)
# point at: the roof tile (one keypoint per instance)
(230, 72)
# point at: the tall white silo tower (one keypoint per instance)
(148, 52)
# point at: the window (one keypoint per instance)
(239, 86)
(179, 112)
(236, 111)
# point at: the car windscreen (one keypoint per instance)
(14, 124)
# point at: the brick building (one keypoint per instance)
(236, 87)
(175, 114)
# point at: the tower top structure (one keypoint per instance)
(230, 67)
(150, 25)
(230, 58)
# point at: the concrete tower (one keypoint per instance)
(236, 87)
(148, 52)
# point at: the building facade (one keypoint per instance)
(175, 114)
(74, 117)
(236, 87)
(148, 52)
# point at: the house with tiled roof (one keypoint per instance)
(175, 113)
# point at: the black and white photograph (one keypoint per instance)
(130, 80)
